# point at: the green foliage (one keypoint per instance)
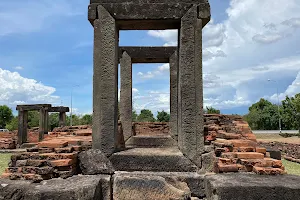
(87, 120)
(163, 116)
(263, 115)
(211, 110)
(13, 124)
(75, 120)
(291, 112)
(5, 116)
(53, 120)
(33, 119)
(134, 116)
(146, 116)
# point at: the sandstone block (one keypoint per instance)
(126, 187)
(95, 162)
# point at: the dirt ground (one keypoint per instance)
(276, 138)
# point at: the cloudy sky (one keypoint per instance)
(46, 52)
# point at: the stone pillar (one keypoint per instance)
(46, 122)
(42, 125)
(22, 126)
(126, 95)
(191, 87)
(105, 83)
(62, 119)
(174, 96)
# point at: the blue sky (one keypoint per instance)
(46, 50)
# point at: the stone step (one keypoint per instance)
(152, 159)
(151, 141)
(252, 186)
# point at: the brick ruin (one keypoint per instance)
(122, 160)
(231, 143)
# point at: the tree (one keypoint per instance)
(33, 119)
(163, 116)
(13, 124)
(5, 116)
(75, 120)
(134, 116)
(211, 110)
(53, 120)
(146, 116)
(87, 120)
(291, 112)
(263, 115)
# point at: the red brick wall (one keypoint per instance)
(151, 128)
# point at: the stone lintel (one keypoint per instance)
(148, 54)
(33, 107)
(59, 109)
(148, 16)
(148, 1)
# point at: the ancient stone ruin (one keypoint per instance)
(44, 110)
(192, 157)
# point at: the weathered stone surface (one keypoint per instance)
(208, 162)
(190, 86)
(174, 95)
(249, 187)
(148, 54)
(94, 162)
(105, 83)
(144, 15)
(22, 126)
(148, 1)
(74, 188)
(152, 159)
(151, 141)
(126, 95)
(194, 180)
(127, 187)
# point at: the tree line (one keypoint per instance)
(262, 115)
(10, 122)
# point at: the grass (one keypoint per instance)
(4, 160)
(291, 167)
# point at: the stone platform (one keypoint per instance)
(152, 159)
(153, 186)
(250, 187)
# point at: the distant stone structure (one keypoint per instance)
(108, 18)
(44, 110)
(130, 55)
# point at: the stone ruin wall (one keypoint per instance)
(231, 146)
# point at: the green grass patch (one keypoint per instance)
(4, 160)
(291, 167)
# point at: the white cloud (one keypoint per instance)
(158, 72)
(164, 67)
(18, 68)
(135, 90)
(292, 89)
(259, 40)
(15, 89)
